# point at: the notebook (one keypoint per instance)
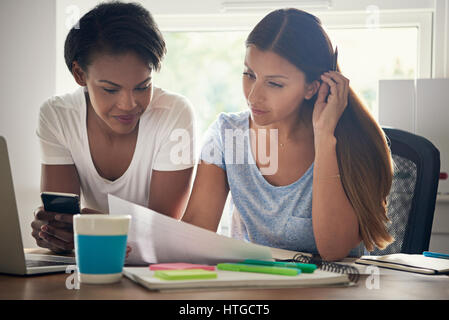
(408, 262)
(231, 279)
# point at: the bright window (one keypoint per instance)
(207, 67)
(368, 55)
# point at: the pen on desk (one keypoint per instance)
(334, 66)
(435, 255)
(258, 269)
(304, 267)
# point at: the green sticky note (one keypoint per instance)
(185, 274)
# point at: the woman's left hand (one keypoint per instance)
(327, 113)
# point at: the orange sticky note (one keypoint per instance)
(180, 266)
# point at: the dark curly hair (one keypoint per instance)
(115, 28)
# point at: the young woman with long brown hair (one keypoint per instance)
(333, 168)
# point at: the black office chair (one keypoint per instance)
(411, 202)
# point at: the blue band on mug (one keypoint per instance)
(103, 254)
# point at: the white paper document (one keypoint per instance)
(156, 238)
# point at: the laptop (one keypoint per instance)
(13, 259)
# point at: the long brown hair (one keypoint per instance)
(363, 155)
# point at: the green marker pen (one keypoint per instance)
(304, 267)
(259, 269)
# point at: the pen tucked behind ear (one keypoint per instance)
(334, 65)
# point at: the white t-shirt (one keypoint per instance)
(165, 142)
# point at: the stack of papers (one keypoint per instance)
(156, 238)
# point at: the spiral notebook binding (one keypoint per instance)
(352, 272)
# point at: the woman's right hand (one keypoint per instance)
(53, 230)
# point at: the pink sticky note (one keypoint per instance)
(179, 266)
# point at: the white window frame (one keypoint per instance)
(430, 16)
(422, 20)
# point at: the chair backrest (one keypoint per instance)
(411, 202)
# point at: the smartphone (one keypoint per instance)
(61, 202)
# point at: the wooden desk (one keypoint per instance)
(392, 285)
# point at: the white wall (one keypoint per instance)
(27, 78)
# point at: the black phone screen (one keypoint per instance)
(61, 203)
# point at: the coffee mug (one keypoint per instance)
(100, 246)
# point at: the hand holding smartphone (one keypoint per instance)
(53, 225)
